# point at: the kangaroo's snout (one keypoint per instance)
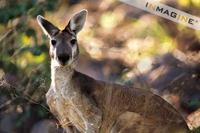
(63, 58)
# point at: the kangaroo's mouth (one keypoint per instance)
(64, 63)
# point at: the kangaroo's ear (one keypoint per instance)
(77, 22)
(47, 27)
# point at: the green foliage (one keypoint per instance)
(194, 103)
(24, 54)
(15, 8)
(42, 112)
(197, 130)
(22, 50)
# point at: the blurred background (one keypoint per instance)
(119, 43)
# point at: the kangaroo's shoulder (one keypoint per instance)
(78, 76)
(87, 83)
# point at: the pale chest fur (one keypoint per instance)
(63, 86)
(60, 85)
(65, 96)
(60, 78)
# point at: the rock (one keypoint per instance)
(8, 123)
(46, 126)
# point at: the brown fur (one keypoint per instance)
(124, 109)
(83, 104)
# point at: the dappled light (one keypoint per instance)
(119, 44)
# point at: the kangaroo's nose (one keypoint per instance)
(63, 58)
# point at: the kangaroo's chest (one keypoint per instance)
(64, 107)
(66, 95)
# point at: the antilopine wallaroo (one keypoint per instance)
(93, 106)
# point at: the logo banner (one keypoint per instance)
(167, 12)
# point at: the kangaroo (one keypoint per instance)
(83, 104)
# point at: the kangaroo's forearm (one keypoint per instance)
(89, 112)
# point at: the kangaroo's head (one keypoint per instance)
(63, 43)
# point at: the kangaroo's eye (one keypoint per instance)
(73, 42)
(53, 42)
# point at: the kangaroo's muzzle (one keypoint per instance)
(63, 59)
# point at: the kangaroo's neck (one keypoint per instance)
(61, 76)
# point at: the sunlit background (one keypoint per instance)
(119, 43)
